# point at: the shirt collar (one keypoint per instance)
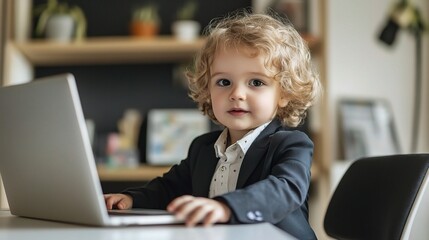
(244, 142)
(220, 144)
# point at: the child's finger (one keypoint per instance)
(212, 217)
(198, 214)
(189, 211)
(110, 201)
(122, 204)
(118, 200)
(178, 202)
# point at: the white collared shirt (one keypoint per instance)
(225, 178)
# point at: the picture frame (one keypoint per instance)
(367, 128)
(170, 133)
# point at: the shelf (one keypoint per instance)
(109, 50)
(115, 50)
(143, 173)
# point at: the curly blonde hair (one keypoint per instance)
(285, 51)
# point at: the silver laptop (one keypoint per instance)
(46, 160)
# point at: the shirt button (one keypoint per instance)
(223, 168)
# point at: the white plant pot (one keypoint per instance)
(186, 30)
(60, 28)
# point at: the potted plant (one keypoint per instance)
(145, 21)
(60, 22)
(185, 28)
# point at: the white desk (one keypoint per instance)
(14, 228)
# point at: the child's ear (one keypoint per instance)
(283, 102)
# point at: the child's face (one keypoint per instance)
(243, 94)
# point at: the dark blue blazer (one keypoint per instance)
(272, 185)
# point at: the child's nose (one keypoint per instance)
(237, 93)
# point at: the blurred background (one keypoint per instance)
(129, 56)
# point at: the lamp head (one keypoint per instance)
(403, 15)
(388, 34)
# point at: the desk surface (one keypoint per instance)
(14, 228)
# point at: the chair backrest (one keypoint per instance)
(377, 198)
(417, 226)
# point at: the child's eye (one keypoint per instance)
(256, 83)
(223, 82)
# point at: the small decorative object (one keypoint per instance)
(170, 132)
(122, 147)
(367, 129)
(145, 21)
(185, 28)
(60, 22)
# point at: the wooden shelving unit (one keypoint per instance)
(22, 55)
(119, 50)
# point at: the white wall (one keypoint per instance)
(359, 65)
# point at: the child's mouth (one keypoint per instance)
(237, 112)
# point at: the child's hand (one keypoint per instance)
(119, 201)
(197, 209)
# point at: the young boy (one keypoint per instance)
(253, 76)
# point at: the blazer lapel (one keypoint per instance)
(256, 152)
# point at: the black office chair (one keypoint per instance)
(380, 198)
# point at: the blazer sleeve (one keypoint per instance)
(159, 192)
(282, 189)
